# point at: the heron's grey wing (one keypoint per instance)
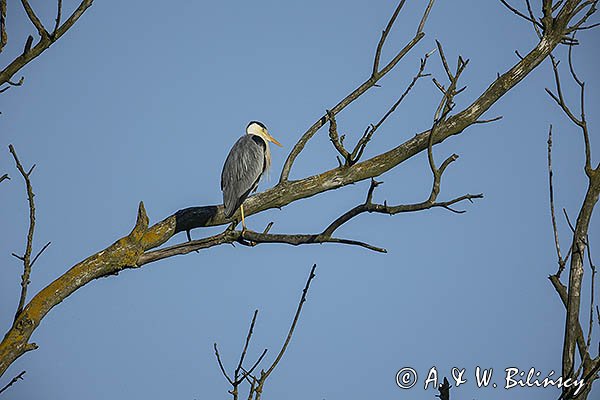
(241, 172)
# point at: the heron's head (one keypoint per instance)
(259, 129)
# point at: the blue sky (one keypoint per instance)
(141, 102)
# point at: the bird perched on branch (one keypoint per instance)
(248, 160)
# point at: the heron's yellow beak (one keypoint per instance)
(272, 139)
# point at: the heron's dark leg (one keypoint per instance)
(243, 222)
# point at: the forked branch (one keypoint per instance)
(242, 374)
(45, 38)
(571, 294)
(26, 257)
(376, 75)
(353, 157)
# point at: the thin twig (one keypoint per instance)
(369, 83)
(568, 220)
(591, 10)
(384, 35)
(40, 253)
(218, 356)
(559, 98)
(265, 374)
(425, 16)
(246, 343)
(13, 381)
(583, 28)
(368, 134)
(3, 177)
(520, 14)
(536, 27)
(487, 121)
(11, 84)
(256, 363)
(237, 379)
(335, 139)
(34, 19)
(519, 55)
(583, 125)
(592, 290)
(26, 258)
(561, 262)
(58, 16)
(447, 102)
(27, 47)
(554, 7)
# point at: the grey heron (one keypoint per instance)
(248, 160)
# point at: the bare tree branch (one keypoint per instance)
(353, 157)
(251, 238)
(578, 248)
(536, 27)
(13, 381)
(368, 134)
(562, 292)
(487, 121)
(335, 138)
(246, 238)
(128, 252)
(520, 14)
(3, 36)
(34, 19)
(369, 83)
(592, 292)
(571, 294)
(246, 343)
(218, 356)
(58, 17)
(11, 84)
(561, 261)
(40, 253)
(592, 8)
(265, 374)
(26, 258)
(46, 39)
(257, 384)
(384, 35)
(446, 104)
(28, 44)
